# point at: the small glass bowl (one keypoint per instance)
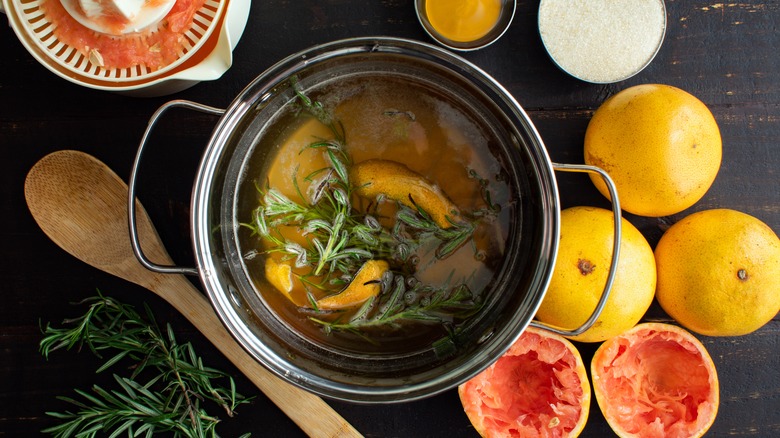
(599, 44)
(504, 20)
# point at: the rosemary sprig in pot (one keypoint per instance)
(340, 237)
(165, 391)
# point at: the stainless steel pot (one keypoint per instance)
(519, 285)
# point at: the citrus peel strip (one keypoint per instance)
(376, 177)
(364, 286)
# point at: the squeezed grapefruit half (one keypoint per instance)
(656, 380)
(538, 388)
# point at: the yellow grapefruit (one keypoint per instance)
(537, 388)
(719, 272)
(661, 146)
(656, 380)
(580, 274)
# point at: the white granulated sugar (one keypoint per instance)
(602, 40)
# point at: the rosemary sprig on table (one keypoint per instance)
(168, 399)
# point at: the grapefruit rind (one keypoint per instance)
(656, 380)
(395, 180)
(539, 387)
(363, 287)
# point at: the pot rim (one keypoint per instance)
(224, 301)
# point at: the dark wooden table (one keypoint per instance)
(724, 53)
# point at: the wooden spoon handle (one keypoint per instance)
(315, 417)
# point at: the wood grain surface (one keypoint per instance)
(724, 53)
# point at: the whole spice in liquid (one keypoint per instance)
(463, 20)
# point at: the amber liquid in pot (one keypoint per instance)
(391, 119)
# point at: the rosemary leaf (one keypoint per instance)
(338, 166)
(454, 242)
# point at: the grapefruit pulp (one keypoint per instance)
(656, 380)
(538, 388)
(153, 48)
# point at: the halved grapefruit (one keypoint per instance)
(539, 388)
(656, 380)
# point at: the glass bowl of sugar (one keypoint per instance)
(602, 41)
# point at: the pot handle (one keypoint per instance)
(131, 218)
(582, 168)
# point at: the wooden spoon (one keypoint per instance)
(81, 205)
